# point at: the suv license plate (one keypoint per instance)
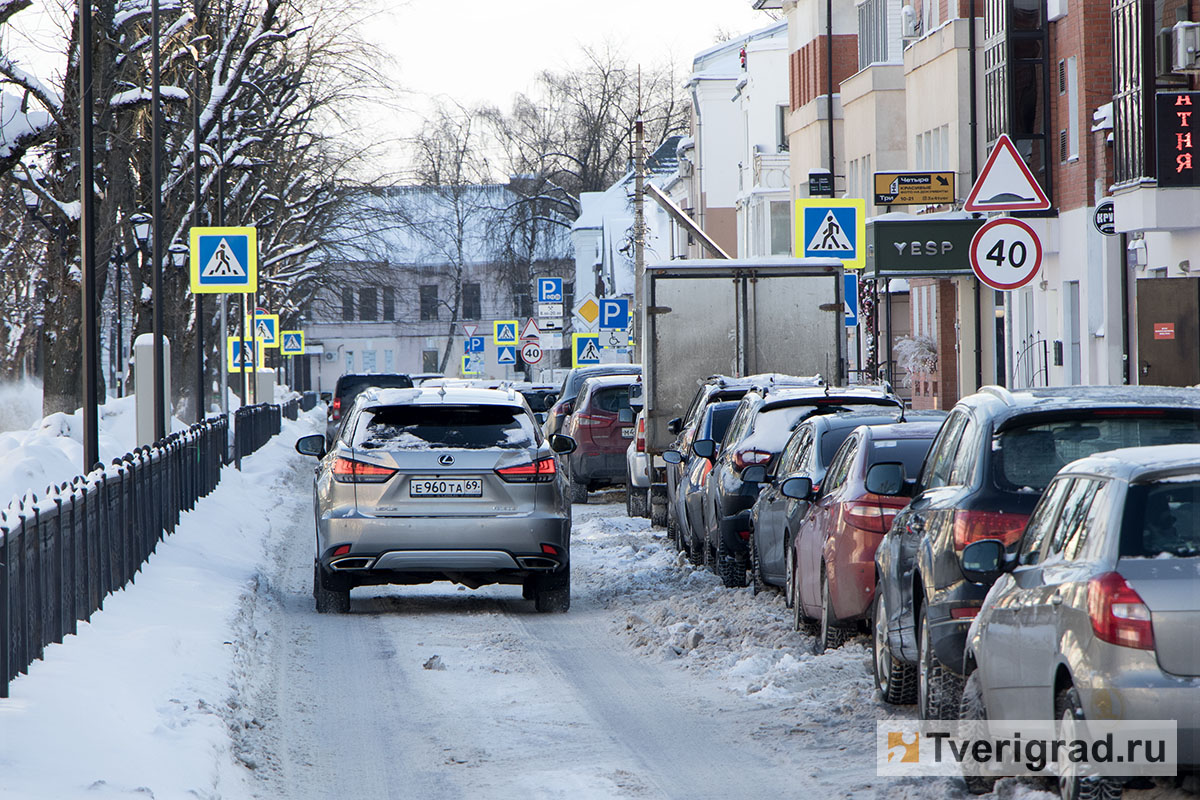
(627, 432)
(422, 486)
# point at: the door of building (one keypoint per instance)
(1168, 331)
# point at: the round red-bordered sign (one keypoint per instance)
(1006, 253)
(531, 353)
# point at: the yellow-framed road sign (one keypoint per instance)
(224, 260)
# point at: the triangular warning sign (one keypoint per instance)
(530, 330)
(1005, 183)
(829, 236)
(590, 351)
(223, 263)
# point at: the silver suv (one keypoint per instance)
(434, 484)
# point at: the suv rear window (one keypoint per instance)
(610, 400)
(1162, 519)
(440, 427)
(349, 387)
(1026, 458)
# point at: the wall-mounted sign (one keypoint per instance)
(820, 184)
(1105, 218)
(1177, 139)
(916, 247)
(913, 188)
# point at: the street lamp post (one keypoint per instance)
(160, 399)
(140, 222)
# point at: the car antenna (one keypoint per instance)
(902, 419)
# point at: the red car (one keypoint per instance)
(835, 545)
(602, 426)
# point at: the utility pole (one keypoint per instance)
(87, 252)
(639, 221)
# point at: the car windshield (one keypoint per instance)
(1026, 458)
(909, 452)
(438, 427)
(1162, 519)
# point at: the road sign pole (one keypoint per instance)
(224, 298)
(242, 345)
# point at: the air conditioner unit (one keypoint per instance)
(1185, 49)
(330, 355)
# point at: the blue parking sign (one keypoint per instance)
(474, 344)
(550, 290)
(614, 313)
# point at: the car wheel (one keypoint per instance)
(789, 582)
(757, 584)
(1072, 786)
(577, 492)
(552, 593)
(833, 635)
(730, 570)
(331, 596)
(656, 506)
(938, 689)
(638, 501)
(895, 679)
(693, 548)
(971, 707)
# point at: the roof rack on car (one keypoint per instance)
(1001, 393)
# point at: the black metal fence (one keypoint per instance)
(291, 409)
(64, 552)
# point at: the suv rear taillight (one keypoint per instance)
(971, 526)
(744, 458)
(541, 471)
(1118, 614)
(335, 411)
(348, 471)
(640, 442)
(591, 419)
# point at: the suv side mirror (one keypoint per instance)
(705, 448)
(562, 444)
(312, 445)
(675, 426)
(984, 561)
(672, 457)
(798, 487)
(625, 416)
(887, 479)
(755, 473)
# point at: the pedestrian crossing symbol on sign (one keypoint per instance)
(504, 331)
(585, 349)
(266, 329)
(832, 228)
(242, 358)
(293, 343)
(224, 260)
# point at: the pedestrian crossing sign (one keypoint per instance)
(504, 331)
(266, 329)
(585, 349)
(224, 260)
(832, 228)
(239, 358)
(292, 343)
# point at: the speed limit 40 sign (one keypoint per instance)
(1006, 253)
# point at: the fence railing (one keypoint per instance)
(62, 553)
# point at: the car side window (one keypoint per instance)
(941, 458)
(791, 453)
(1042, 522)
(839, 468)
(966, 456)
(738, 425)
(1079, 509)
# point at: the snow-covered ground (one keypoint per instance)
(211, 677)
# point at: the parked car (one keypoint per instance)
(758, 431)
(994, 455)
(714, 389)
(602, 426)
(1100, 604)
(453, 484)
(834, 545)
(556, 417)
(687, 505)
(775, 517)
(637, 471)
(539, 396)
(348, 387)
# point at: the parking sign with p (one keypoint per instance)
(550, 290)
(614, 313)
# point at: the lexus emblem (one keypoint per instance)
(446, 460)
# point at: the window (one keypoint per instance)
(941, 457)
(349, 361)
(1041, 523)
(389, 362)
(471, 301)
(1129, 96)
(1074, 513)
(429, 301)
(781, 137)
(389, 303)
(781, 228)
(872, 33)
(347, 304)
(435, 427)
(840, 468)
(429, 361)
(370, 361)
(368, 304)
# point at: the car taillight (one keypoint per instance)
(562, 410)
(347, 471)
(1118, 614)
(335, 413)
(971, 526)
(640, 445)
(869, 516)
(588, 419)
(541, 471)
(744, 458)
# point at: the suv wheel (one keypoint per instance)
(1072, 786)
(577, 492)
(895, 679)
(331, 594)
(730, 569)
(938, 689)
(637, 501)
(833, 635)
(757, 584)
(552, 592)
(971, 707)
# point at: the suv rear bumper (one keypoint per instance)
(598, 469)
